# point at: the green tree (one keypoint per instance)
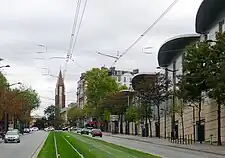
(132, 115)
(193, 81)
(215, 70)
(99, 86)
(74, 115)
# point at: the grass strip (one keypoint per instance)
(48, 150)
(99, 148)
(64, 149)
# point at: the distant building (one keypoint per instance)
(81, 86)
(60, 92)
(123, 77)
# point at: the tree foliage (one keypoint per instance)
(99, 86)
(19, 101)
(132, 114)
(74, 114)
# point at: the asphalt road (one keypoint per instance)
(165, 152)
(29, 143)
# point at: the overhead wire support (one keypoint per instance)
(146, 31)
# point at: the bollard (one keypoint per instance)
(186, 139)
(211, 135)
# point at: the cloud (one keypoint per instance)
(108, 26)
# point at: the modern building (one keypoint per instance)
(81, 86)
(209, 20)
(60, 92)
(123, 77)
(170, 56)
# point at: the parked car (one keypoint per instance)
(34, 129)
(96, 132)
(12, 136)
(79, 130)
(26, 130)
(84, 131)
(65, 128)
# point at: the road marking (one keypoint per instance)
(74, 148)
(56, 149)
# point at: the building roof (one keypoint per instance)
(207, 14)
(173, 47)
(140, 79)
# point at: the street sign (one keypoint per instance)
(114, 117)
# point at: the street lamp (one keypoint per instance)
(44, 46)
(146, 48)
(15, 84)
(174, 90)
(5, 66)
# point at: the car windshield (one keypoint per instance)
(12, 133)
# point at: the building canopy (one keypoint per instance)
(174, 47)
(208, 12)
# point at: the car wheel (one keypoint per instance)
(18, 141)
(100, 136)
(5, 141)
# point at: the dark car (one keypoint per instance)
(65, 128)
(84, 131)
(96, 132)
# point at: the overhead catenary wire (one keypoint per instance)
(69, 55)
(146, 31)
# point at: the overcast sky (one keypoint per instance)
(108, 26)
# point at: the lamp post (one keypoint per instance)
(173, 96)
(44, 46)
(5, 66)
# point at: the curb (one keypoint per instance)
(38, 149)
(205, 151)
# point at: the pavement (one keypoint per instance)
(164, 148)
(29, 146)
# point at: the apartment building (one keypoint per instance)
(81, 97)
(123, 77)
(209, 20)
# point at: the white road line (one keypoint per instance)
(74, 148)
(56, 149)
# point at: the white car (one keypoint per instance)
(12, 136)
(34, 129)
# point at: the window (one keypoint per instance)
(125, 79)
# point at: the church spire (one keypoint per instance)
(60, 79)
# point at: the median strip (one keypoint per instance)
(73, 148)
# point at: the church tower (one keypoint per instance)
(60, 92)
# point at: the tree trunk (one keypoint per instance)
(219, 123)
(150, 126)
(199, 115)
(121, 124)
(158, 118)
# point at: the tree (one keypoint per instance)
(99, 86)
(215, 70)
(193, 80)
(132, 114)
(41, 123)
(52, 115)
(74, 115)
(158, 93)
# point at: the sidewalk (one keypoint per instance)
(218, 150)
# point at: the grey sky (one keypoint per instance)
(108, 26)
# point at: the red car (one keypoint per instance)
(96, 132)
